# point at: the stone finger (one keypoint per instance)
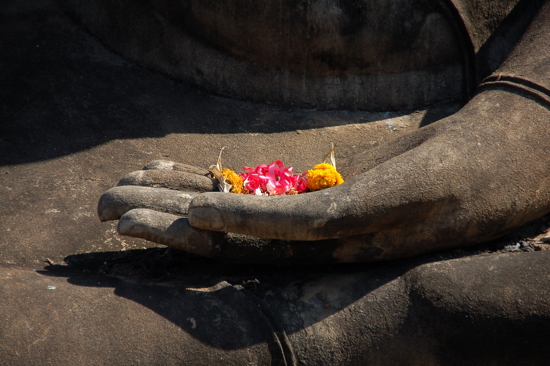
(171, 179)
(172, 165)
(167, 229)
(119, 200)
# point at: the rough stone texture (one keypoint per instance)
(118, 200)
(484, 310)
(74, 118)
(321, 54)
(169, 179)
(81, 320)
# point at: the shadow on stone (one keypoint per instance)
(63, 92)
(211, 300)
(255, 303)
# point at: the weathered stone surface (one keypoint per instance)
(93, 320)
(118, 200)
(75, 117)
(171, 179)
(326, 55)
(475, 310)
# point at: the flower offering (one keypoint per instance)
(277, 180)
(323, 176)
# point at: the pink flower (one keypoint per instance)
(254, 179)
(300, 182)
(274, 179)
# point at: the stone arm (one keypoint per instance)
(468, 178)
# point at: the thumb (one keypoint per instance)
(311, 216)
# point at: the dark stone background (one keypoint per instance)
(74, 118)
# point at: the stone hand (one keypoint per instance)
(468, 178)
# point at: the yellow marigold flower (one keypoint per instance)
(323, 176)
(233, 178)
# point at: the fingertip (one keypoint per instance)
(207, 218)
(104, 211)
(171, 230)
(204, 212)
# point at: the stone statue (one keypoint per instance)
(465, 179)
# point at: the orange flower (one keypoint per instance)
(233, 178)
(323, 176)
